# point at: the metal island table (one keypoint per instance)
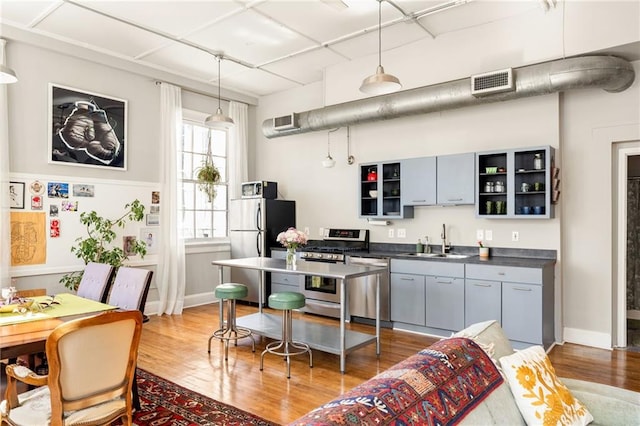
(335, 340)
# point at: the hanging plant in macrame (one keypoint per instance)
(208, 176)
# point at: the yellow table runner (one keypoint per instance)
(69, 304)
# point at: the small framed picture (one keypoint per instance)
(153, 219)
(16, 195)
(150, 237)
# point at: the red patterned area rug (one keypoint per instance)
(166, 404)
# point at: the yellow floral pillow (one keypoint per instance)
(540, 395)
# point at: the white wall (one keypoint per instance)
(569, 121)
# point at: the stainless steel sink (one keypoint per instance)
(440, 255)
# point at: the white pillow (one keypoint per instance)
(540, 395)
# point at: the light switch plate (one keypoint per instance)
(479, 234)
(402, 233)
(391, 233)
(515, 236)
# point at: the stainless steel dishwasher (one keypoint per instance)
(362, 291)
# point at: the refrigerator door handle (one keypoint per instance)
(258, 216)
(258, 244)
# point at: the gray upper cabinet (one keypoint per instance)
(418, 186)
(456, 179)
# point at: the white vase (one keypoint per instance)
(484, 252)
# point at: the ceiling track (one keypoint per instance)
(609, 73)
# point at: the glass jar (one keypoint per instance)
(499, 186)
(488, 187)
(537, 162)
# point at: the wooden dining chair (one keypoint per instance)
(91, 371)
(95, 282)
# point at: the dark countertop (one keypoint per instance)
(526, 258)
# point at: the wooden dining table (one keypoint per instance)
(26, 333)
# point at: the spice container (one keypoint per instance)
(488, 187)
(537, 162)
(499, 186)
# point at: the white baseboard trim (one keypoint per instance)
(587, 338)
(151, 308)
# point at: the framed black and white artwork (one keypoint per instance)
(16, 195)
(87, 129)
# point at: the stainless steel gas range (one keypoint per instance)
(349, 246)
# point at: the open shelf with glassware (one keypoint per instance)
(515, 183)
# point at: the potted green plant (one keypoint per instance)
(97, 246)
(208, 176)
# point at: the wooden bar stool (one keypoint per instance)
(286, 301)
(229, 292)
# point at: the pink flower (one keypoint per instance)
(480, 243)
(292, 238)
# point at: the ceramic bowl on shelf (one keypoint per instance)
(373, 193)
(490, 170)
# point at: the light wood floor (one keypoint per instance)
(175, 347)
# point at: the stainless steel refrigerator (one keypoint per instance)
(254, 225)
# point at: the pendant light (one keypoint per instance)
(380, 83)
(329, 162)
(218, 120)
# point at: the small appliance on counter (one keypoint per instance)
(260, 189)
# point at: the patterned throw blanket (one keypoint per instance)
(437, 386)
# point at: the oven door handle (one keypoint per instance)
(328, 305)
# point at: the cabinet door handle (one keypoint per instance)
(418, 201)
(521, 289)
(407, 279)
(482, 285)
(501, 273)
(440, 281)
(454, 199)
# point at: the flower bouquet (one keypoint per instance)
(484, 251)
(292, 239)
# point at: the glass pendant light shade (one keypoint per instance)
(219, 121)
(7, 75)
(380, 83)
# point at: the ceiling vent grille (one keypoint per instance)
(492, 82)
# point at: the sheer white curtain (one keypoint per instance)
(238, 141)
(171, 263)
(5, 233)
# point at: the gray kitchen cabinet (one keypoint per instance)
(445, 303)
(284, 282)
(456, 179)
(419, 179)
(482, 301)
(526, 301)
(408, 298)
(516, 184)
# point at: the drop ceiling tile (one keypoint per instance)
(392, 37)
(170, 17)
(23, 12)
(257, 82)
(101, 33)
(307, 67)
(252, 37)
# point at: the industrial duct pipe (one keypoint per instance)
(606, 72)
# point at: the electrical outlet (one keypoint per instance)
(306, 230)
(321, 232)
(402, 233)
(479, 234)
(488, 234)
(515, 236)
(391, 233)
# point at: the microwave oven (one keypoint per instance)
(260, 189)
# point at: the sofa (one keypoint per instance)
(476, 378)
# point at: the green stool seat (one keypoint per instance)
(231, 291)
(287, 347)
(286, 300)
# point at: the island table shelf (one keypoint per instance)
(336, 340)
